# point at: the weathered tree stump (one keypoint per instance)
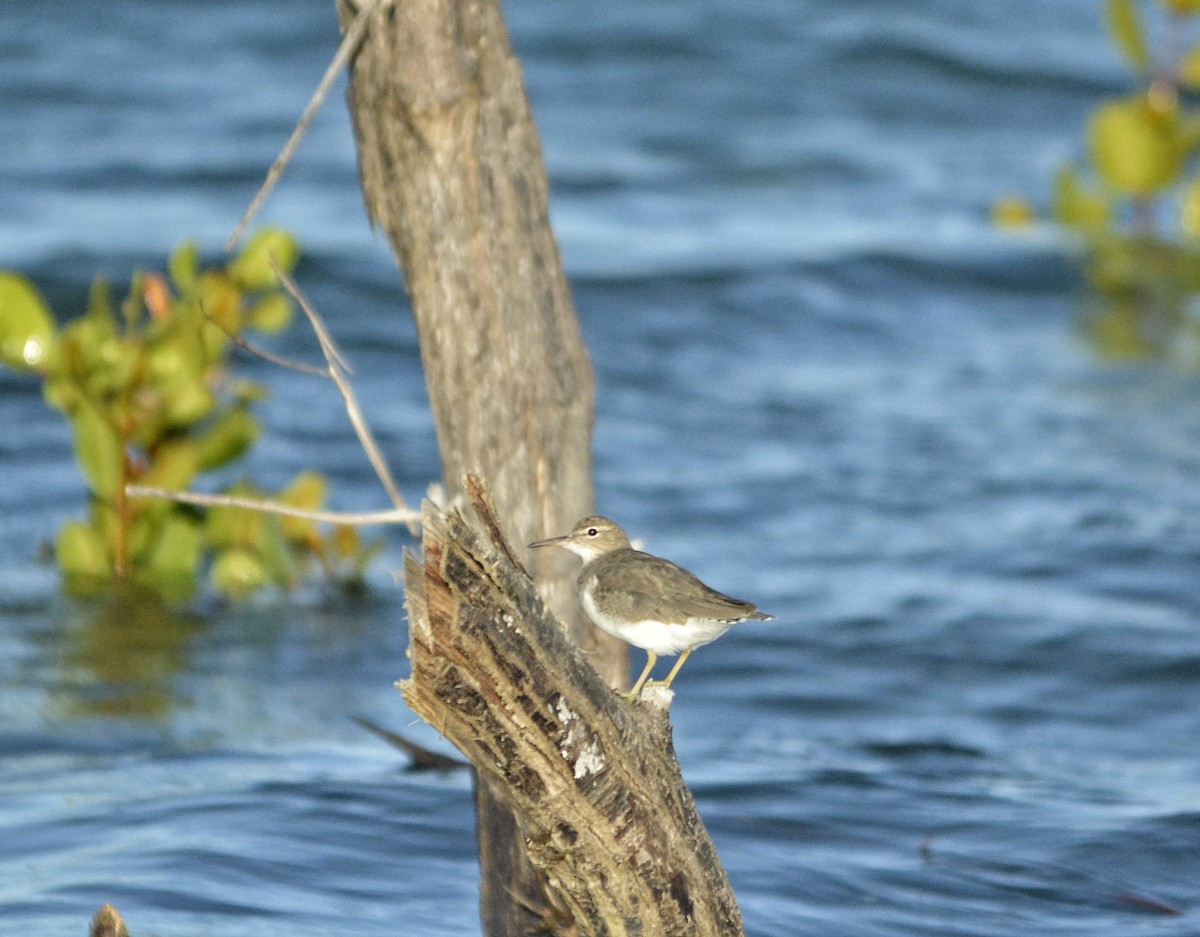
(592, 779)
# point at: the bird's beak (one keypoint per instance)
(552, 542)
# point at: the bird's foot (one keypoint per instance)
(637, 692)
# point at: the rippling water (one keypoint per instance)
(825, 384)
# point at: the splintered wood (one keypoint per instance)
(592, 779)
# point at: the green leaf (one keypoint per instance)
(1182, 7)
(271, 315)
(238, 573)
(346, 542)
(221, 302)
(98, 452)
(1189, 209)
(168, 360)
(227, 439)
(99, 307)
(86, 345)
(274, 554)
(230, 526)
(187, 402)
(184, 265)
(111, 367)
(1135, 149)
(1189, 69)
(1115, 330)
(251, 269)
(62, 394)
(140, 530)
(1126, 31)
(79, 550)
(132, 306)
(1077, 206)
(173, 466)
(1012, 212)
(306, 491)
(103, 519)
(1189, 133)
(176, 550)
(26, 327)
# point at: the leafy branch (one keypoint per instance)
(153, 405)
(1135, 203)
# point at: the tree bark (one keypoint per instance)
(451, 170)
(593, 779)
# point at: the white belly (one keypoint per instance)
(656, 636)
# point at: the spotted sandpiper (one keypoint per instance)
(645, 600)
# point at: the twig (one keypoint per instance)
(329, 347)
(290, 363)
(337, 373)
(360, 518)
(345, 49)
(336, 370)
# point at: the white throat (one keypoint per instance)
(584, 549)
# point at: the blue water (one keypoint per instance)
(826, 383)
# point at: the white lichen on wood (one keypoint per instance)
(580, 748)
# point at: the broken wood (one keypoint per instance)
(592, 779)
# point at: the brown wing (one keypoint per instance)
(656, 589)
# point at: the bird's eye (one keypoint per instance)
(592, 531)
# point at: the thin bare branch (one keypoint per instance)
(360, 518)
(345, 49)
(337, 372)
(329, 347)
(290, 363)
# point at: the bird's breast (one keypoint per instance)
(660, 637)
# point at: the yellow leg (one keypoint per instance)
(675, 669)
(651, 660)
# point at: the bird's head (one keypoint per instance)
(591, 537)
